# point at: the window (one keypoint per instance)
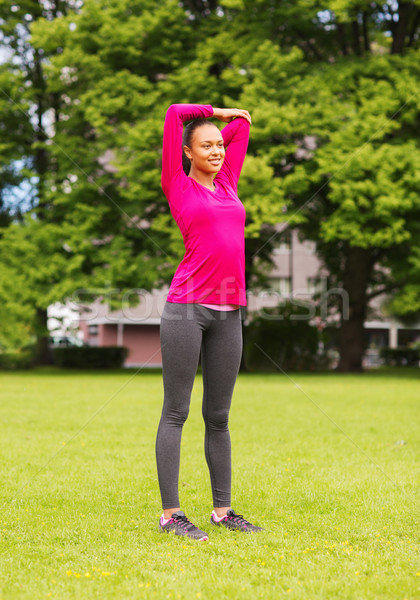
(93, 329)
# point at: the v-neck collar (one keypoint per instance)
(205, 187)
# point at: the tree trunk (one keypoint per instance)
(366, 44)
(414, 26)
(41, 158)
(404, 12)
(356, 37)
(357, 271)
(342, 40)
(42, 354)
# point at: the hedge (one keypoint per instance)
(90, 357)
(281, 339)
(22, 359)
(401, 356)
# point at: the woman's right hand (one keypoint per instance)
(228, 114)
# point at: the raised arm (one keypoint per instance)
(176, 115)
(235, 137)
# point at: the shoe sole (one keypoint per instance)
(202, 539)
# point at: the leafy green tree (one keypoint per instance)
(115, 75)
(81, 232)
(405, 302)
(15, 165)
(355, 191)
(23, 68)
(15, 132)
(333, 94)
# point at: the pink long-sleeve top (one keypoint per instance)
(212, 223)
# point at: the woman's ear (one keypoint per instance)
(187, 152)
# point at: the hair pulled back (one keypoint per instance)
(187, 140)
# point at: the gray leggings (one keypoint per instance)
(186, 329)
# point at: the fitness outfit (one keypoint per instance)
(201, 312)
(212, 223)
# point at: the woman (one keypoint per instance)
(200, 172)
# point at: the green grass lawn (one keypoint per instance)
(328, 464)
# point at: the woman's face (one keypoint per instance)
(207, 151)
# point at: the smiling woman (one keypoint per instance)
(200, 171)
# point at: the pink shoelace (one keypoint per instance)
(238, 519)
(183, 522)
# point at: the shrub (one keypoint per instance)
(18, 359)
(90, 357)
(401, 357)
(290, 342)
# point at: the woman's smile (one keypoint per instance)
(207, 151)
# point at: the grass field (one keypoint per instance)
(328, 464)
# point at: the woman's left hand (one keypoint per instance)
(228, 114)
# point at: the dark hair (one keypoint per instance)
(187, 139)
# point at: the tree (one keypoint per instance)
(114, 75)
(80, 232)
(24, 65)
(357, 192)
(15, 127)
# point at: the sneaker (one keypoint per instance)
(180, 525)
(233, 521)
